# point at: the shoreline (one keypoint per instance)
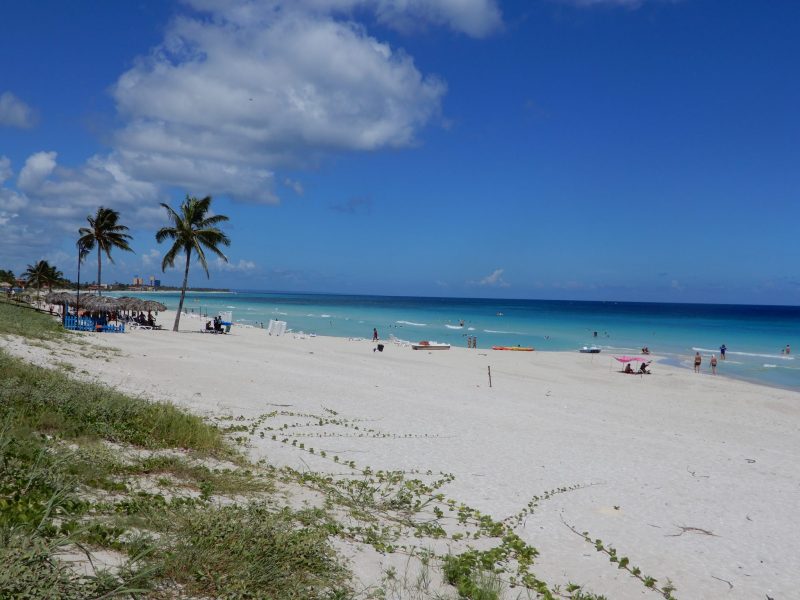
(640, 457)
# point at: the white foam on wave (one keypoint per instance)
(325, 316)
(454, 326)
(508, 332)
(755, 354)
(230, 307)
(769, 366)
(411, 323)
(470, 329)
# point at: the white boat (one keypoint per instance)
(426, 345)
(590, 350)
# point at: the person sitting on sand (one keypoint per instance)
(628, 368)
(209, 326)
(697, 361)
(643, 368)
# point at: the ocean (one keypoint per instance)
(755, 336)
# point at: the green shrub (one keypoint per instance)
(250, 551)
(50, 402)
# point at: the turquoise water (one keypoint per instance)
(754, 335)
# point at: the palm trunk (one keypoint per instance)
(183, 290)
(99, 293)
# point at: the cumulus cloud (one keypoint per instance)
(36, 169)
(241, 266)
(223, 102)
(494, 279)
(151, 257)
(237, 91)
(476, 18)
(67, 196)
(15, 113)
(5, 169)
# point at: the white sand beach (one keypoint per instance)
(693, 477)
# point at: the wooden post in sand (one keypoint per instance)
(490, 376)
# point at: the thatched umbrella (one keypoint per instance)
(99, 303)
(60, 298)
(153, 305)
(128, 303)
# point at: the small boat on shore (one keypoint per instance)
(514, 348)
(426, 345)
(590, 350)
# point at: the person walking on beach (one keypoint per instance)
(722, 350)
(697, 361)
(374, 334)
(713, 364)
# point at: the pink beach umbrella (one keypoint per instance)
(627, 359)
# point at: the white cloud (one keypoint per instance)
(241, 266)
(476, 18)
(15, 113)
(69, 195)
(234, 94)
(223, 102)
(495, 279)
(151, 257)
(295, 186)
(37, 168)
(5, 169)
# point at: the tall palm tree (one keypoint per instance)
(42, 273)
(106, 233)
(192, 230)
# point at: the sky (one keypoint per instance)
(631, 150)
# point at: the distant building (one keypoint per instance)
(138, 281)
(154, 283)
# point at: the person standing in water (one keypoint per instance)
(713, 364)
(374, 334)
(722, 350)
(697, 361)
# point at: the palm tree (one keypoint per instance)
(192, 230)
(7, 277)
(106, 233)
(42, 274)
(54, 277)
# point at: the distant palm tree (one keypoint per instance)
(105, 233)
(7, 277)
(54, 277)
(192, 229)
(42, 273)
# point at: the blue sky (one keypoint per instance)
(578, 149)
